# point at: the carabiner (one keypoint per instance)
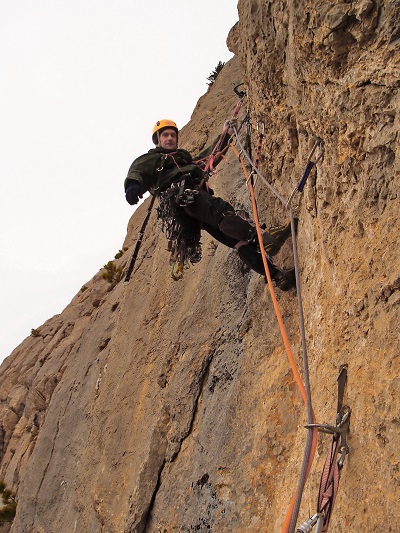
(241, 94)
(307, 526)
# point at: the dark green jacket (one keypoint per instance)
(157, 169)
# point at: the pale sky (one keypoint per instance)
(82, 83)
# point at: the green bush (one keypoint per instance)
(120, 253)
(214, 74)
(8, 510)
(112, 272)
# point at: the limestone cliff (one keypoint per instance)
(164, 406)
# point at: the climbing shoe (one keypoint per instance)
(276, 236)
(285, 279)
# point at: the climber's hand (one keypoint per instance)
(133, 193)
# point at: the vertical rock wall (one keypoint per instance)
(166, 406)
(331, 71)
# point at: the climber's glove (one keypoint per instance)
(133, 193)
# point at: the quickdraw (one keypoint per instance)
(209, 168)
(334, 462)
(309, 166)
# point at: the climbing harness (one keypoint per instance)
(334, 462)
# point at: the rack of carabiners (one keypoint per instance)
(335, 460)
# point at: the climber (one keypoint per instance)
(187, 205)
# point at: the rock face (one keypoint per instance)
(165, 406)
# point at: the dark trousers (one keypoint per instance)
(219, 219)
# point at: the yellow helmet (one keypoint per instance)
(160, 125)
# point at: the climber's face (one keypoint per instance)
(169, 139)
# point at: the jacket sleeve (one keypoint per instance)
(143, 170)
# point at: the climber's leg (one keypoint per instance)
(218, 213)
(276, 236)
(250, 256)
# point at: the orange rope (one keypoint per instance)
(271, 287)
(282, 328)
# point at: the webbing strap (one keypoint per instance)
(333, 464)
(342, 382)
(329, 485)
(210, 162)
